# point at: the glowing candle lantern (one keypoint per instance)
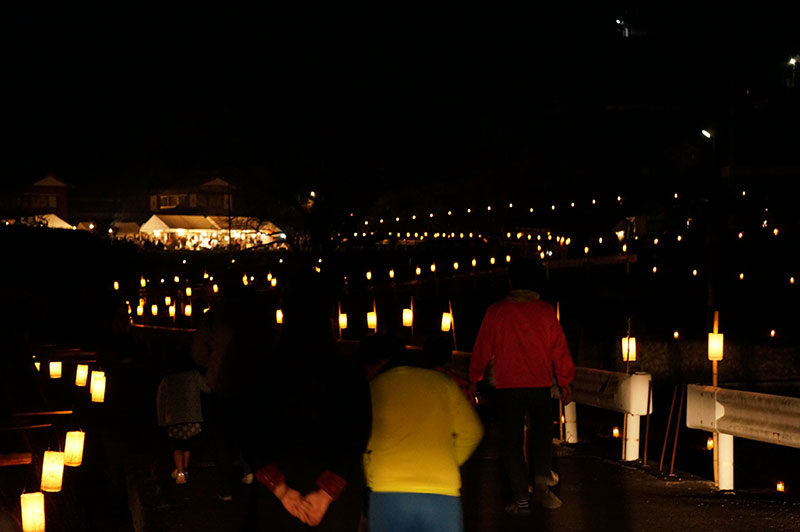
(391, 274)
(73, 448)
(710, 443)
(140, 310)
(455, 265)
(176, 279)
(372, 320)
(52, 471)
(215, 288)
(244, 279)
(116, 285)
(279, 317)
(629, 349)
(143, 282)
(98, 387)
(508, 258)
(433, 267)
(167, 301)
(172, 311)
(93, 378)
(369, 275)
(474, 262)
(491, 261)
(715, 342)
(586, 249)
(772, 333)
(55, 370)
(81, 373)
(624, 248)
(187, 310)
(343, 321)
(676, 335)
(269, 276)
(274, 282)
(205, 275)
(154, 310)
(418, 271)
(615, 432)
(447, 321)
(694, 273)
(38, 366)
(780, 486)
(408, 317)
(188, 291)
(32, 511)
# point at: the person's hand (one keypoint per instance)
(291, 500)
(315, 504)
(566, 394)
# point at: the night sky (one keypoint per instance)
(359, 100)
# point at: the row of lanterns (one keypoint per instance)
(97, 381)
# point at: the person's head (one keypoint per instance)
(377, 352)
(525, 274)
(436, 351)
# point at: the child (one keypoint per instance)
(179, 410)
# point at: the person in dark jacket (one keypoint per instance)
(309, 421)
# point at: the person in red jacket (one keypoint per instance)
(522, 337)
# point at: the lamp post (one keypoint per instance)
(793, 64)
(711, 232)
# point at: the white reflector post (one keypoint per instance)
(571, 422)
(725, 442)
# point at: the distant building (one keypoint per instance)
(211, 198)
(46, 196)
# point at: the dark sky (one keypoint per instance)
(357, 97)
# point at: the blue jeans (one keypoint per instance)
(414, 512)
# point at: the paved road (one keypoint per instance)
(599, 495)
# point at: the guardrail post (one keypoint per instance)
(571, 422)
(725, 461)
(631, 448)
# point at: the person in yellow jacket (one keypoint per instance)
(423, 430)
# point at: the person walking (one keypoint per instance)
(522, 336)
(179, 410)
(423, 430)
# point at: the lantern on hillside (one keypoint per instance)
(369, 275)
(52, 471)
(98, 387)
(188, 291)
(629, 349)
(447, 321)
(94, 376)
(372, 320)
(55, 370)
(433, 267)
(408, 317)
(140, 310)
(215, 288)
(143, 282)
(279, 317)
(187, 310)
(81, 372)
(274, 282)
(244, 279)
(154, 309)
(418, 271)
(391, 274)
(474, 262)
(172, 311)
(715, 343)
(342, 321)
(73, 448)
(167, 301)
(116, 285)
(32, 505)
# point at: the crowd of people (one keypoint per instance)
(373, 441)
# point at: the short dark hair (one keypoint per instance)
(525, 273)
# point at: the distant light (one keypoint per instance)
(791, 280)
(397, 219)
(391, 274)
(676, 335)
(615, 432)
(510, 205)
(655, 269)
(491, 260)
(744, 193)
(772, 333)
(430, 215)
(449, 213)
(676, 195)
(655, 241)
(413, 216)
(380, 221)
(624, 248)
(594, 202)
(531, 210)
(469, 211)
(433, 267)
(694, 273)
(508, 258)
(599, 240)
(706, 133)
(455, 265)
(474, 262)
(780, 486)
(741, 235)
(418, 270)
(586, 249)
(775, 231)
(619, 198)
(710, 443)
(488, 207)
(313, 194)
(572, 204)
(552, 207)
(680, 238)
(369, 275)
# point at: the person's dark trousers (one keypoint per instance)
(219, 421)
(512, 404)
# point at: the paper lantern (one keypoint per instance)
(244, 279)
(279, 316)
(32, 511)
(474, 262)
(629, 349)
(38, 366)
(143, 282)
(391, 274)
(187, 310)
(447, 321)
(433, 267)
(73, 448)
(455, 265)
(55, 370)
(780, 486)
(369, 275)
(172, 311)
(418, 271)
(98, 388)
(94, 376)
(215, 288)
(52, 471)
(274, 282)
(343, 321)
(408, 317)
(140, 310)
(116, 285)
(188, 291)
(715, 341)
(154, 310)
(372, 320)
(176, 279)
(81, 372)
(167, 301)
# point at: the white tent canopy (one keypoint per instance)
(169, 223)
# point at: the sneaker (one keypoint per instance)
(180, 478)
(548, 499)
(519, 508)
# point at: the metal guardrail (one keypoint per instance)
(756, 416)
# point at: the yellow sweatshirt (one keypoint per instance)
(423, 429)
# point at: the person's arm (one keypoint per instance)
(482, 351)
(562, 361)
(467, 426)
